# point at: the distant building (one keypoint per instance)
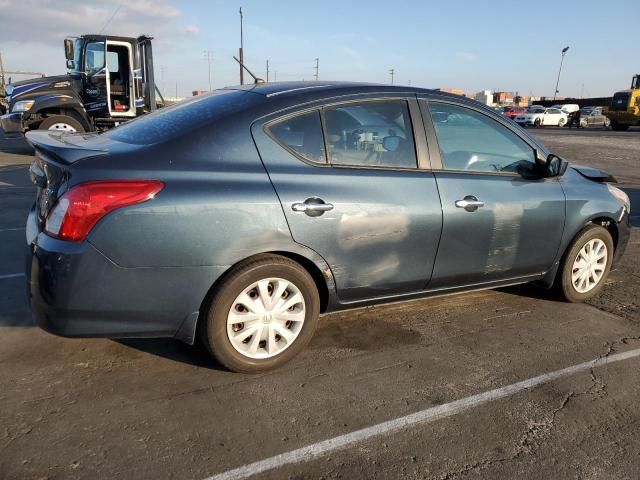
(485, 97)
(503, 98)
(199, 92)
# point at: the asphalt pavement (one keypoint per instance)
(488, 384)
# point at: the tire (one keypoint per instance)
(561, 122)
(228, 302)
(618, 127)
(62, 123)
(570, 283)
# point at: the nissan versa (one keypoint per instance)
(241, 215)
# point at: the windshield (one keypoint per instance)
(635, 83)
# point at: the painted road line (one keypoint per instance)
(11, 275)
(425, 416)
(15, 229)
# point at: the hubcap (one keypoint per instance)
(266, 318)
(589, 265)
(62, 127)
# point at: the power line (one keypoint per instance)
(110, 18)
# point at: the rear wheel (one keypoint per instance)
(561, 122)
(586, 264)
(618, 127)
(262, 315)
(62, 123)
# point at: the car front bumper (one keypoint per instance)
(11, 124)
(76, 291)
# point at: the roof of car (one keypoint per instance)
(291, 89)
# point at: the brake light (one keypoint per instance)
(79, 209)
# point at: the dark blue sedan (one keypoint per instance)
(242, 215)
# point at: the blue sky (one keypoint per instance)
(458, 44)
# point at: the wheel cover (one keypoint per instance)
(62, 127)
(589, 266)
(266, 318)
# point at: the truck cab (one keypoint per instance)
(109, 81)
(624, 111)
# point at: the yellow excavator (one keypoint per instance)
(624, 111)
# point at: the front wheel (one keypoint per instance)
(586, 264)
(61, 123)
(561, 122)
(262, 315)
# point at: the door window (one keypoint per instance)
(95, 57)
(472, 141)
(370, 134)
(303, 135)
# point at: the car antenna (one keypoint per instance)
(256, 80)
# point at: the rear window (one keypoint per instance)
(170, 122)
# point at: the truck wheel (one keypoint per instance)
(618, 127)
(62, 123)
(586, 264)
(262, 315)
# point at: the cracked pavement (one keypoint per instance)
(158, 409)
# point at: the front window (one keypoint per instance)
(471, 141)
(77, 52)
(94, 60)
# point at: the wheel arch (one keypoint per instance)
(307, 259)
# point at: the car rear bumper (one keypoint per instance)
(75, 291)
(11, 124)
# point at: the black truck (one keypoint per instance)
(109, 81)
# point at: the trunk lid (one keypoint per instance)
(55, 153)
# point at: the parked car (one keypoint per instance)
(567, 107)
(241, 215)
(513, 112)
(535, 109)
(550, 116)
(594, 118)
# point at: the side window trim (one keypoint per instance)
(372, 100)
(425, 106)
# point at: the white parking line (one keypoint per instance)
(11, 229)
(425, 416)
(11, 275)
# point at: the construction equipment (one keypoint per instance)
(110, 80)
(624, 111)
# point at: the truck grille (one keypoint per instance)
(620, 101)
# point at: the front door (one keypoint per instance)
(363, 205)
(500, 220)
(95, 94)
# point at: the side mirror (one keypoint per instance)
(70, 64)
(68, 50)
(556, 166)
(391, 143)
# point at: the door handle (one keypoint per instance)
(314, 207)
(469, 203)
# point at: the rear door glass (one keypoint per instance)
(301, 134)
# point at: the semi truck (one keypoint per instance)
(109, 81)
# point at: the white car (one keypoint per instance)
(551, 116)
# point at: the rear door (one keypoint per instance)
(356, 195)
(500, 221)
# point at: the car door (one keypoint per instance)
(501, 219)
(356, 196)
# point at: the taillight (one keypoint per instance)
(79, 209)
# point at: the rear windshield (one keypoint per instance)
(170, 122)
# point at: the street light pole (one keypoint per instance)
(241, 50)
(564, 51)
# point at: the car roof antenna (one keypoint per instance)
(256, 80)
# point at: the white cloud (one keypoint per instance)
(192, 29)
(467, 56)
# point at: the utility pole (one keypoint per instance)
(176, 90)
(317, 67)
(163, 70)
(209, 55)
(564, 51)
(392, 73)
(241, 50)
(267, 71)
(275, 76)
